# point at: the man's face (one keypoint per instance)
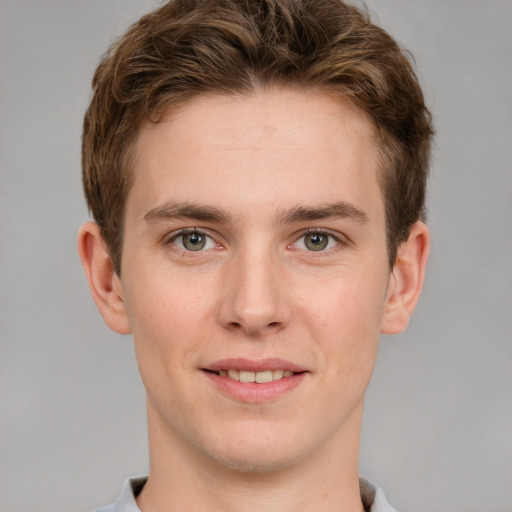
(254, 244)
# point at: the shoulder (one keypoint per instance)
(373, 497)
(126, 501)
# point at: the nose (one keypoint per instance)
(254, 294)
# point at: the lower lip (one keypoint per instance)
(254, 392)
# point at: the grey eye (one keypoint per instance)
(316, 241)
(193, 241)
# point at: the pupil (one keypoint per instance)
(316, 241)
(194, 241)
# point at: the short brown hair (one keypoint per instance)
(191, 47)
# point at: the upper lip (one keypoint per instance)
(250, 365)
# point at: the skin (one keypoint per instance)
(265, 165)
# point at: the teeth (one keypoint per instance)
(277, 374)
(234, 374)
(247, 376)
(263, 377)
(259, 377)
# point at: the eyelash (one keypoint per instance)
(340, 241)
(187, 231)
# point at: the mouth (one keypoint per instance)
(255, 381)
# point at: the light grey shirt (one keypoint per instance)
(372, 496)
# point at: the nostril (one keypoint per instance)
(238, 326)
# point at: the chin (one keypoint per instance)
(258, 454)
(256, 463)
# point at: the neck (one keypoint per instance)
(182, 477)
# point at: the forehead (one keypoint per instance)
(268, 150)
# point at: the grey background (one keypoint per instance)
(438, 425)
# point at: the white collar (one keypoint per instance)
(372, 496)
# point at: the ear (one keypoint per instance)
(406, 280)
(104, 283)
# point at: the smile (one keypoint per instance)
(256, 381)
(261, 377)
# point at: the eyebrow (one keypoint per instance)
(175, 210)
(340, 209)
(205, 213)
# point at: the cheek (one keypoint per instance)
(343, 314)
(346, 301)
(167, 317)
(163, 304)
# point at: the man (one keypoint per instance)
(256, 171)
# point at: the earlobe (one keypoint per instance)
(406, 280)
(104, 284)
